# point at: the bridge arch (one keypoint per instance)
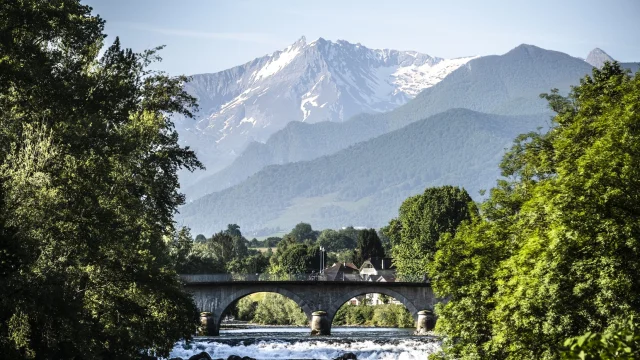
(215, 296)
(227, 302)
(343, 299)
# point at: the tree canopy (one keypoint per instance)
(555, 253)
(422, 220)
(303, 231)
(88, 189)
(368, 246)
(333, 240)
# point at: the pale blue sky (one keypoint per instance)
(208, 36)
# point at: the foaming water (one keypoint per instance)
(295, 343)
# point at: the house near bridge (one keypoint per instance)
(373, 269)
(342, 271)
(378, 269)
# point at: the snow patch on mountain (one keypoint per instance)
(279, 62)
(413, 79)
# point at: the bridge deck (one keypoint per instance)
(297, 278)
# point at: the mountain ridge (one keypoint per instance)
(507, 84)
(310, 82)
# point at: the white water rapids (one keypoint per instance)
(295, 343)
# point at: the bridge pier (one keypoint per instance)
(320, 324)
(426, 322)
(208, 325)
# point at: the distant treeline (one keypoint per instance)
(228, 251)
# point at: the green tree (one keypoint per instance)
(556, 251)
(221, 246)
(422, 220)
(240, 249)
(303, 231)
(351, 233)
(255, 263)
(233, 230)
(385, 241)
(368, 246)
(294, 259)
(276, 309)
(88, 189)
(200, 238)
(345, 256)
(201, 260)
(272, 241)
(333, 240)
(181, 247)
(245, 309)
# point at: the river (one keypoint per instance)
(295, 343)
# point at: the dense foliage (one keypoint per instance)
(422, 220)
(270, 309)
(337, 240)
(293, 257)
(622, 342)
(368, 246)
(276, 309)
(386, 315)
(297, 252)
(556, 251)
(224, 252)
(303, 232)
(88, 189)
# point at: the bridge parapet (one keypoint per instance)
(223, 278)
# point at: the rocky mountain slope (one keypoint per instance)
(307, 82)
(597, 57)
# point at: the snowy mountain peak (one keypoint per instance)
(311, 82)
(301, 42)
(279, 60)
(597, 57)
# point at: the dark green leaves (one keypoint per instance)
(422, 221)
(621, 343)
(556, 251)
(88, 187)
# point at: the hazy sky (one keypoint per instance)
(208, 36)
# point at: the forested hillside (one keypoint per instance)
(364, 184)
(296, 142)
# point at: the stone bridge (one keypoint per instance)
(316, 298)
